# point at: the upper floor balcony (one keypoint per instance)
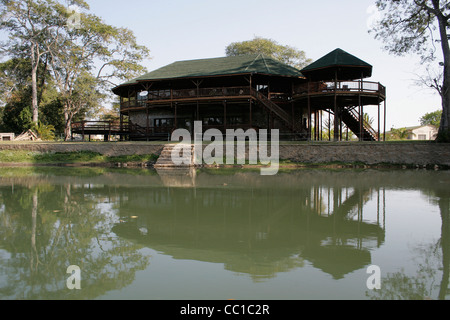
(322, 88)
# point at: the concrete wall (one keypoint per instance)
(369, 153)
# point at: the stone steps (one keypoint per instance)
(165, 158)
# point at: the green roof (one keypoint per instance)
(244, 64)
(335, 58)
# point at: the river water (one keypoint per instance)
(224, 234)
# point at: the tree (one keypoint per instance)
(15, 97)
(269, 47)
(432, 119)
(400, 134)
(83, 58)
(78, 51)
(414, 26)
(32, 26)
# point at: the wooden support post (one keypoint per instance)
(336, 111)
(309, 113)
(251, 119)
(176, 115)
(293, 117)
(384, 135)
(197, 84)
(362, 122)
(225, 114)
(321, 125)
(361, 119)
(379, 133)
(147, 129)
(329, 125)
(316, 125)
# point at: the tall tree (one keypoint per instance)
(269, 47)
(414, 26)
(86, 60)
(16, 92)
(32, 25)
(84, 55)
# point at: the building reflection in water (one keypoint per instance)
(258, 226)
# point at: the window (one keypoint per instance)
(422, 137)
(235, 121)
(163, 123)
(211, 121)
(159, 94)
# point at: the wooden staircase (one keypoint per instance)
(351, 119)
(285, 117)
(165, 159)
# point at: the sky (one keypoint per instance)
(177, 30)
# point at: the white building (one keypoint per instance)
(423, 133)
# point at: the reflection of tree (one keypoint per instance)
(420, 286)
(400, 286)
(50, 228)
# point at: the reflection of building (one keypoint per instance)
(250, 91)
(257, 230)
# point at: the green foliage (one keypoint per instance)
(83, 60)
(432, 119)
(45, 132)
(399, 134)
(416, 26)
(20, 156)
(405, 27)
(269, 47)
(16, 117)
(52, 113)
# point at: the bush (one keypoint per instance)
(45, 132)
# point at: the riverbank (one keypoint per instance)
(292, 155)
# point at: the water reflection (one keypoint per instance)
(46, 227)
(332, 221)
(260, 230)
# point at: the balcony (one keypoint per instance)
(340, 88)
(156, 97)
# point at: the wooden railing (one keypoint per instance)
(283, 115)
(366, 125)
(185, 94)
(323, 87)
(101, 126)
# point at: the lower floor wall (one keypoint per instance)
(216, 115)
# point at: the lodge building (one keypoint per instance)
(250, 91)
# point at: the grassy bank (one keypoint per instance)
(89, 158)
(82, 157)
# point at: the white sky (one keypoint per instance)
(176, 30)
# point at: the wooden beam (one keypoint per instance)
(336, 111)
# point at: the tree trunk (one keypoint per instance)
(444, 129)
(67, 124)
(34, 89)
